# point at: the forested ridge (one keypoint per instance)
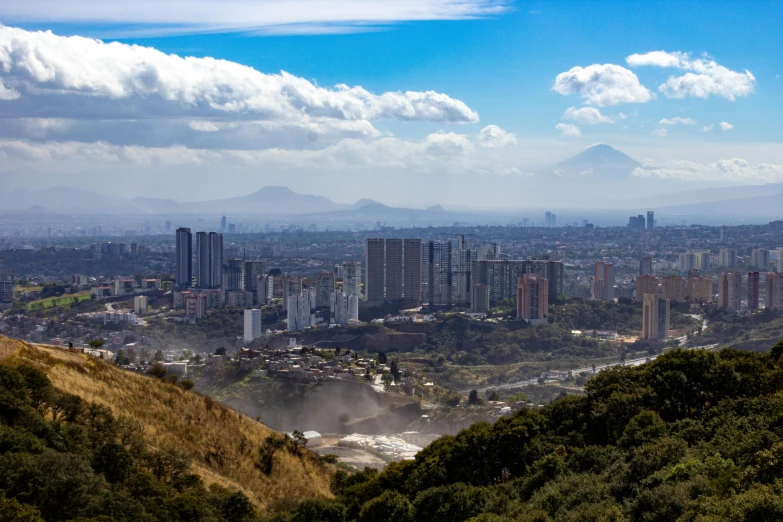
(693, 436)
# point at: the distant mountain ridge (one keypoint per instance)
(601, 160)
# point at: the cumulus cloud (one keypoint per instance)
(660, 132)
(588, 115)
(203, 126)
(708, 128)
(566, 129)
(705, 77)
(726, 126)
(493, 136)
(735, 170)
(278, 17)
(602, 85)
(677, 120)
(54, 76)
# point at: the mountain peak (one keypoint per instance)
(600, 159)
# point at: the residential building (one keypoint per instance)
(753, 290)
(119, 317)
(532, 297)
(687, 262)
(265, 287)
(252, 325)
(780, 259)
(298, 307)
(184, 254)
(730, 290)
(650, 220)
(602, 286)
(343, 308)
(291, 285)
(479, 298)
(490, 251)
(646, 266)
(462, 268)
(233, 275)
(636, 223)
(6, 290)
(124, 286)
(759, 258)
(195, 305)
(656, 317)
(352, 278)
(550, 219)
(727, 257)
(499, 276)
(551, 270)
(673, 288)
(324, 288)
(774, 299)
(412, 256)
(700, 289)
(393, 270)
(140, 304)
(209, 260)
(646, 284)
(375, 259)
(239, 299)
(703, 261)
(253, 269)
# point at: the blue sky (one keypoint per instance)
(502, 66)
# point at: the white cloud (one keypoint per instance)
(203, 126)
(708, 128)
(6, 93)
(493, 136)
(726, 126)
(78, 77)
(706, 77)
(566, 129)
(269, 17)
(602, 85)
(676, 120)
(660, 132)
(734, 170)
(588, 115)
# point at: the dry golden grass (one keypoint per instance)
(222, 443)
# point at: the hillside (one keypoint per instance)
(691, 436)
(222, 445)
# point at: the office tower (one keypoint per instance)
(479, 298)
(216, 261)
(352, 277)
(727, 257)
(550, 219)
(656, 316)
(412, 271)
(700, 289)
(673, 288)
(202, 260)
(234, 275)
(729, 290)
(532, 297)
(374, 277)
(703, 260)
(636, 223)
(343, 308)
(499, 276)
(184, 273)
(291, 285)
(393, 270)
(338, 271)
(253, 269)
(439, 274)
(650, 220)
(324, 287)
(759, 258)
(687, 262)
(646, 284)
(252, 325)
(646, 266)
(298, 307)
(140, 304)
(265, 286)
(462, 267)
(552, 271)
(774, 300)
(753, 290)
(223, 224)
(209, 260)
(602, 286)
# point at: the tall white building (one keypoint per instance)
(298, 308)
(703, 260)
(759, 258)
(727, 257)
(140, 304)
(343, 308)
(352, 278)
(252, 325)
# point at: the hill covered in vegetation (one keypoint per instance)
(81, 439)
(693, 436)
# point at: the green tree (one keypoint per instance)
(157, 370)
(473, 398)
(389, 506)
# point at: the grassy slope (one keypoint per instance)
(221, 442)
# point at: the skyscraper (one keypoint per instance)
(646, 266)
(551, 270)
(393, 270)
(252, 325)
(324, 287)
(253, 269)
(439, 284)
(184, 272)
(700, 289)
(759, 258)
(209, 260)
(650, 220)
(727, 257)
(703, 260)
(774, 300)
(223, 224)
(687, 262)
(532, 297)
(234, 275)
(646, 284)
(674, 288)
(753, 290)
(298, 307)
(412, 271)
(729, 290)
(352, 278)
(265, 285)
(462, 266)
(602, 286)
(375, 271)
(655, 317)
(343, 308)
